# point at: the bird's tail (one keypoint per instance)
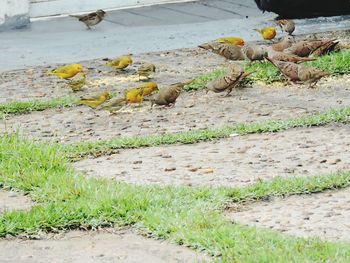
(271, 60)
(258, 30)
(205, 46)
(302, 59)
(76, 16)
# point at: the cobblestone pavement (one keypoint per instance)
(324, 215)
(234, 162)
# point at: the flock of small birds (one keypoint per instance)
(286, 54)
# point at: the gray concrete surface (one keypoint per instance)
(138, 30)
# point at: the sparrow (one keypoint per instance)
(286, 25)
(91, 19)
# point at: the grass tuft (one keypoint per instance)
(21, 107)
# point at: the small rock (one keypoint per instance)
(207, 171)
(194, 169)
(170, 169)
(334, 161)
(137, 162)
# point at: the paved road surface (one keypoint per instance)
(144, 29)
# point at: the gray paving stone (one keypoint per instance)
(13, 201)
(323, 215)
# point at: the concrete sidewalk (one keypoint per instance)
(144, 29)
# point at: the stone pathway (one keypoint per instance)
(13, 201)
(104, 246)
(192, 111)
(324, 215)
(234, 162)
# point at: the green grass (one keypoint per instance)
(336, 63)
(21, 107)
(102, 147)
(184, 215)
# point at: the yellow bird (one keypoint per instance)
(231, 40)
(120, 63)
(96, 101)
(77, 84)
(134, 95)
(148, 88)
(67, 71)
(268, 33)
(146, 70)
(113, 105)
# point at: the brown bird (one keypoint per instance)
(254, 52)
(91, 19)
(306, 47)
(324, 49)
(277, 55)
(226, 83)
(298, 73)
(286, 42)
(167, 96)
(231, 52)
(286, 25)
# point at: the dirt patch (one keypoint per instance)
(13, 201)
(95, 247)
(325, 215)
(236, 161)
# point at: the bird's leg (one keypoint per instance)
(312, 85)
(228, 93)
(171, 105)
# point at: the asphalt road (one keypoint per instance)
(144, 29)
